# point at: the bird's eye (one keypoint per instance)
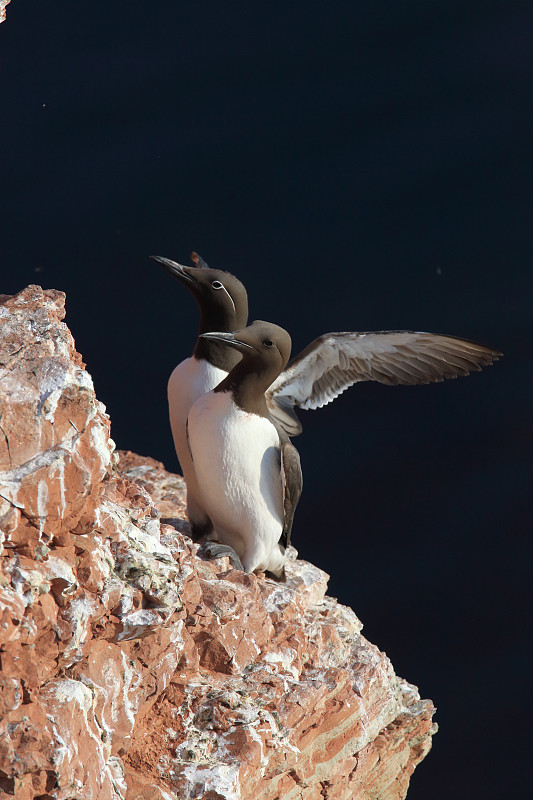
(217, 285)
(268, 343)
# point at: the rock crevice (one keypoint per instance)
(134, 668)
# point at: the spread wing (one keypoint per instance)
(291, 479)
(335, 361)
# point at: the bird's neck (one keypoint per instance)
(247, 388)
(219, 355)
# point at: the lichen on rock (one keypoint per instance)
(132, 667)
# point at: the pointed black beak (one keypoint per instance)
(229, 339)
(175, 269)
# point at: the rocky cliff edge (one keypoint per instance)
(133, 668)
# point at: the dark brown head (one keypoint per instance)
(221, 296)
(266, 349)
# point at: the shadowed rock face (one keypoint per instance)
(131, 667)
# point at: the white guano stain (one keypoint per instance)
(117, 777)
(221, 778)
(80, 614)
(69, 691)
(58, 568)
(132, 679)
(145, 542)
(108, 693)
(11, 480)
(62, 749)
(103, 445)
(60, 468)
(28, 584)
(285, 660)
(42, 504)
(138, 623)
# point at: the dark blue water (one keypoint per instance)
(359, 167)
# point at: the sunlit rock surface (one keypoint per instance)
(134, 668)
(3, 4)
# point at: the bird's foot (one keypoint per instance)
(217, 550)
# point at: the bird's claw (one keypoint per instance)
(217, 550)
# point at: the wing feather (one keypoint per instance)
(291, 479)
(335, 361)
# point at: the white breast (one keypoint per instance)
(190, 380)
(237, 464)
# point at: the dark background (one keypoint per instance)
(359, 166)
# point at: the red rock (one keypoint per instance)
(3, 4)
(132, 667)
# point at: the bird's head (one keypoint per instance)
(264, 346)
(221, 296)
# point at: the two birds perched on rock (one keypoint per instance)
(232, 412)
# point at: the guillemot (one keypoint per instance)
(333, 362)
(323, 370)
(223, 307)
(248, 469)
